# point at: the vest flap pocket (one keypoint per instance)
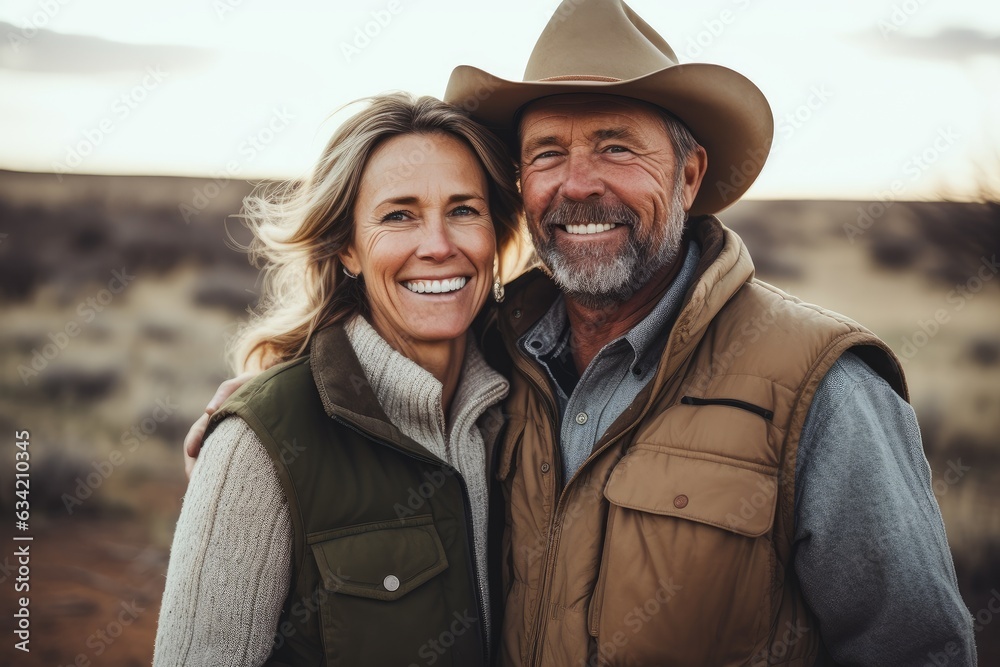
(734, 495)
(383, 560)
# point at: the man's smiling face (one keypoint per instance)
(604, 195)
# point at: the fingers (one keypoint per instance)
(196, 434)
(193, 441)
(226, 390)
(189, 462)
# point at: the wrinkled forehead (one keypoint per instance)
(571, 108)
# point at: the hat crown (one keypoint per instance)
(603, 47)
(597, 38)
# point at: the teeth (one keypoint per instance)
(589, 228)
(435, 286)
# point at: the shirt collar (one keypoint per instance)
(552, 330)
(651, 332)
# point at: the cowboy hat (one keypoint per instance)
(603, 46)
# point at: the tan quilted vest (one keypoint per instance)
(672, 544)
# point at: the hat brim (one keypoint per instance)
(724, 110)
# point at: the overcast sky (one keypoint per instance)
(871, 98)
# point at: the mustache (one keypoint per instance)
(584, 212)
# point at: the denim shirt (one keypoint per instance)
(870, 549)
(615, 376)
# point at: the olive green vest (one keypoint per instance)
(382, 566)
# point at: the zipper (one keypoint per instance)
(557, 530)
(535, 631)
(731, 403)
(471, 563)
(470, 533)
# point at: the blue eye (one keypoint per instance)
(395, 216)
(465, 211)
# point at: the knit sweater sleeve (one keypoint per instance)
(230, 562)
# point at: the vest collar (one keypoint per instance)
(724, 267)
(346, 394)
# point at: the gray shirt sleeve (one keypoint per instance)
(870, 547)
(230, 562)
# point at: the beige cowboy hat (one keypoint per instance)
(603, 46)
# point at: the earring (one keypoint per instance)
(498, 291)
(352, 276)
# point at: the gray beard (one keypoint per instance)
(597, 280)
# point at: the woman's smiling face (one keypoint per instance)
(423, 241)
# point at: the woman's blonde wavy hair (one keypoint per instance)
(300, 228)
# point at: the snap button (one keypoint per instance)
(517, 313)
(535, 344)
(637, 371)
(545, 467)
(581, 418)
(681, 501)
(391, 582)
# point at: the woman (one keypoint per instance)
(338, 514)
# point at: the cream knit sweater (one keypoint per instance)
(231, 557)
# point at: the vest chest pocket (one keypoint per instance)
(380, 561)
(687, 557)
(379, 601)
(734, 495)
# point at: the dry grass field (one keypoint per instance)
(116, 310)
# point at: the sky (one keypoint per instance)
(872, 99)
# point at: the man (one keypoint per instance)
(697, 468)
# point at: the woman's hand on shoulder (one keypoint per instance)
(196, 434)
